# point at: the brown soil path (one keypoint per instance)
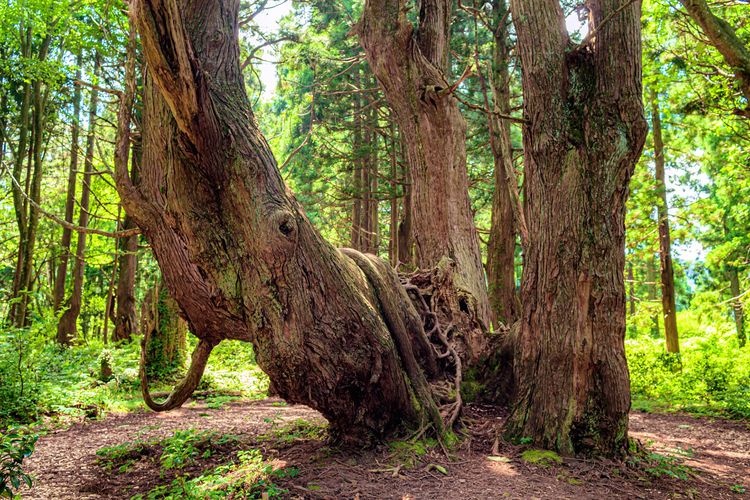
(716, 451)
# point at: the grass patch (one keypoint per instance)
(249, 476)
(297, 430)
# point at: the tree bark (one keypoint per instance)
(332, 330)
(583, 134)
(410, 64)
(58, 293)
(669, 311)
(67, 327)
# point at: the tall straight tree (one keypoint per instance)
(61, 275)
(411, 64)
(669, 310)
(583, 134)
(332, 329)
(67, 325)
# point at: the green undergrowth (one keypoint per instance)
(249, 476)
(184, 448)
(187, 461)
(296, 430)
(43, 382)
(710, 376)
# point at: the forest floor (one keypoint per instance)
(684, 457)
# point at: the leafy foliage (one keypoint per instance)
(15, 446)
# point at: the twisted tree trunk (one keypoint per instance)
(332, 330)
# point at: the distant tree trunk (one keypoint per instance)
(669, 310)
(67, 326)
(333, 329)
(583, 134)
(19, 206)
(34, 181)
(631, 290)
(164, 334)
(411, 65)
(58, 293)
(405, 241)
(501, 249)
(652, 284)
(125, 317)
(737, 309)
(394, 198)
(357, 159)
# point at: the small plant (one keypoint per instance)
(738, 488)
(184, 447)
(409, 453)
(14, 448)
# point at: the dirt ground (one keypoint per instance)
(715, 454)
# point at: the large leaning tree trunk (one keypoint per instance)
(584, 133)
(333, 329)
(410, 64)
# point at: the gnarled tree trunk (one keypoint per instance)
(585, 130)
(332, 330)
(410, 64)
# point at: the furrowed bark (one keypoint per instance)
(584, 133)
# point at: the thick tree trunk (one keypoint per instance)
(67, 327)
(584, 133)
(669, 311)
(333, 330)
(410, 65)
(737, 309)
(58, 293)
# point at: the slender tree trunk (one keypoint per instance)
(669, 310)
(393, 227)
(737, 309)
(357, 236)
(584, 133)
(67, 326)
(410, 65)
(34, 181)
(332, 329)
(58, 292)
(652, 284)
(125, 317)
(18, 198)
(501, 249)
(631, 290)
